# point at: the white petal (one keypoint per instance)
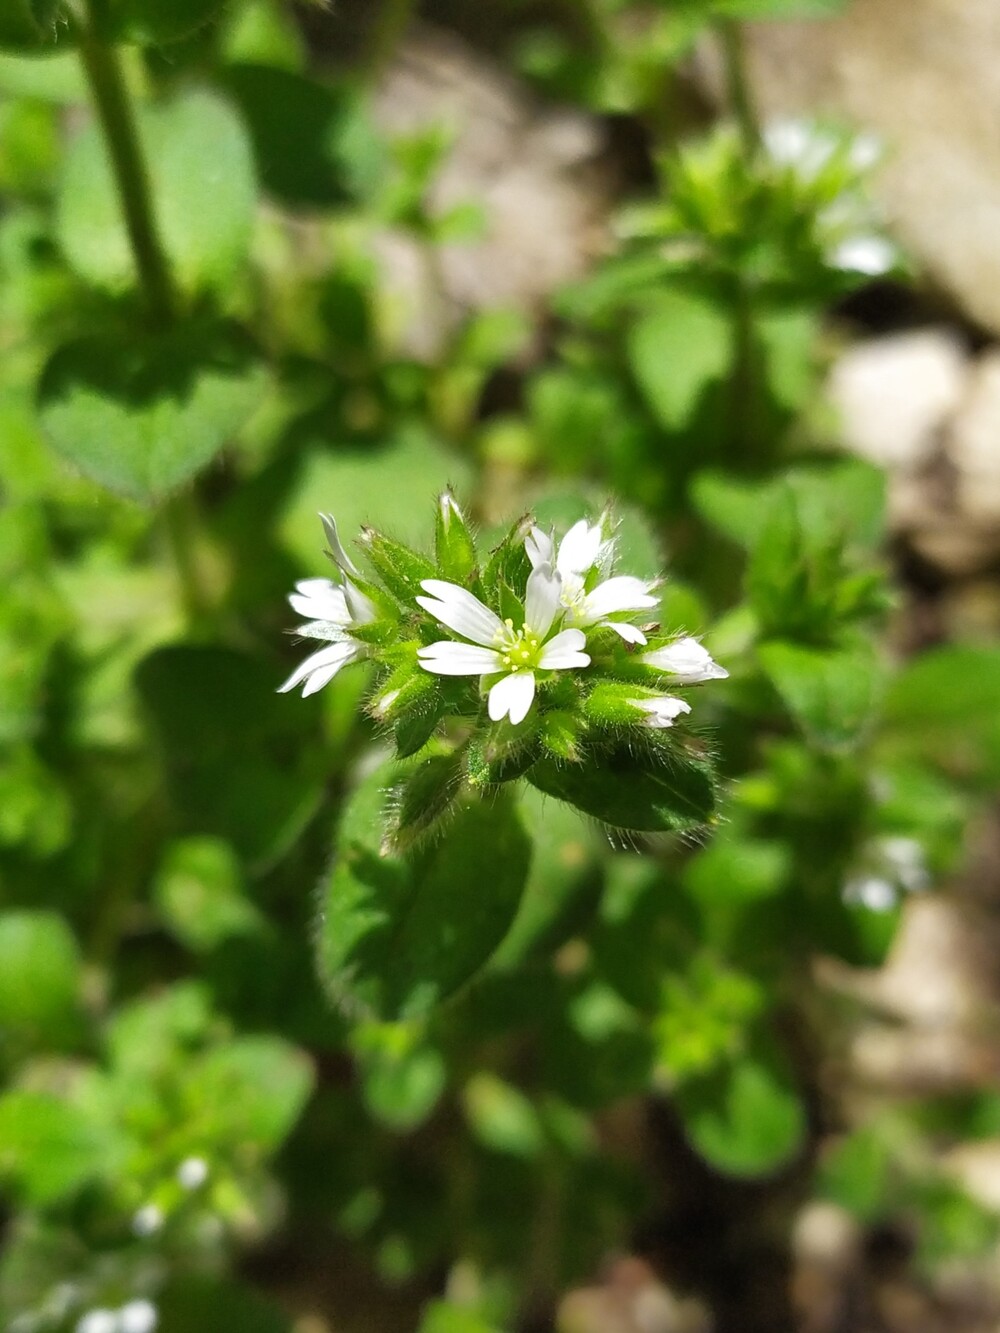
(363, 610)
(319, 599)
(538, 547)
(630, 633)
(565, 651)
(448, 658)
(513, 696)
(340, 557)
(687, 660)
(326, 663)
(661, 712)
(624, 593)
(541, 599)
(579, 549)
(456, 608)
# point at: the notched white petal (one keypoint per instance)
(623, 593)
(340, 557)
(319, 599)
(321, 667)
(624, 630)
(661, 712)
(448, 658)
(460, 611)
(565, 651)
(541, 599)
(687, 660)
(539, 547)
(512, 697)
(579, 549)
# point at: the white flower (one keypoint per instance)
(331, 611)
(138, 1317)
(661, 711)
(98, 1321)
(687, 660)
(580, 551)
(495, 647)
(871, 255)
(192, 1172)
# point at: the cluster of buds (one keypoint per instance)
(542, 650)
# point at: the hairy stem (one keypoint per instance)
(117, 120)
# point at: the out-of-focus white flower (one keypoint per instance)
(331, 611)
(192, 1172)
(98, 1321)
(138, 1317)
(685, 659)
(872, 255)
(581, 551)
(662, 711)
(496, 647)
(875, 892)
(147, 1220)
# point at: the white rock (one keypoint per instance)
(894, 395)
(974, 441)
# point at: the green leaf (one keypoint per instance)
(312, 144)
(677, 348)
(745, 1120)
(391, 486)
(241, 761)
(142, 414)
(200, 895)
(501, 1117)
(441, 1317)
(48, 1147)
(563, 874)
(649, 791)
(249, 1092)
(787, 336)
(203, 189)
(945, 704)
(401, 570)
(40, 979)
(399, 935)
(402, 1088)
(831, 693)
(31, 25)
(738, 869)
(159, 22)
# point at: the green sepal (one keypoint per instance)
(501, 755)
(401, 570)
(424, 796)
(560, 734)
(611, 704)
(453, 545)
(413, 702)
(376, 632)
(508, 566)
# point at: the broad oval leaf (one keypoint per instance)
(203, 189)
(745, 1119)
(142, 415)
(399, 935)
(631, 790)
(677, 348)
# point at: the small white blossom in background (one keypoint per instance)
(147, 1220)
(331, 611)
(138, 1317)
(192, 1172)
(98, 1321)
(496, 647)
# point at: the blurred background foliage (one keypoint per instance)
(259, 259)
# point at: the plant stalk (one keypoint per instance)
(737, 88)
(114, 111)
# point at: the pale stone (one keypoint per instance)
(973, 443)
(924, 76)
(894, 395)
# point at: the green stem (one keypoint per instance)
(737, 87)
(114, 111)
(390, 24)
(181, 524)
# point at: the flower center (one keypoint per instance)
(518, 648)
(573, 592)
